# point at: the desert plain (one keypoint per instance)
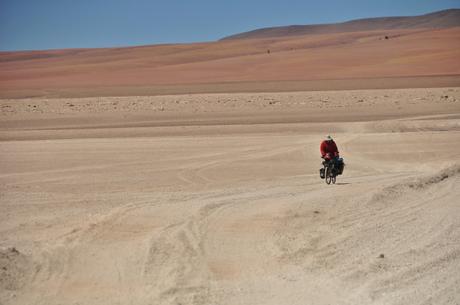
(126, 180)
(216, 199)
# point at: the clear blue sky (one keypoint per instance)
(50, 24)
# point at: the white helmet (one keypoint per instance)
(328, 138)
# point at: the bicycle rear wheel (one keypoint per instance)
(328, 175)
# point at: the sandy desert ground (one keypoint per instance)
(216, 199)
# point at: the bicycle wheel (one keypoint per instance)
(328, 175)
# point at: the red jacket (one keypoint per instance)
(329, 147)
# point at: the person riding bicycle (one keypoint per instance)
(330, 153)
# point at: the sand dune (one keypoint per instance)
(216, 199)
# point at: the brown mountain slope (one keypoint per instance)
(442, 19)
(236, 65)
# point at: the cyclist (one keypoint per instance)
(329, 152)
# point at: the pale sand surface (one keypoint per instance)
(216, 199)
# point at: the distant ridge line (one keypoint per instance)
(440, 19)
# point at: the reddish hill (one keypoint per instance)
(359, 59)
